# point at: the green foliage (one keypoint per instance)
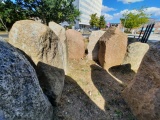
(119, 113)
(70, 26)
(9, 13)
(133, 20)
(94, 21)
(50, 10)
(102, 22)
(97, 22)
(46, 10)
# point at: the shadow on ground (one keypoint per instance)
(110, 89)
(91, 93)
(132, 40)
(76, 105)
(123, 73)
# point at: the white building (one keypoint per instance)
(87, 7)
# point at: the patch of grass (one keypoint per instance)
(107, 107)
(80, 110)
(113, 102)
(91, 86)
(119, 113)
(99, 93)
(131, 117)
(84, 70)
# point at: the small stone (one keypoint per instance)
(89, 92)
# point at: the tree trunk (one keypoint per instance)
(4, 25)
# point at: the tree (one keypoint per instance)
(9, 13)
(50, 10)
(133, 20)
(102, 22)
(94, 21)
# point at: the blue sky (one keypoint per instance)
(113, 9)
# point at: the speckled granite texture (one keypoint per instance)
(21, 97)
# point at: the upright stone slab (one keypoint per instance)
(135, 54)
(42, 45)
(143, 93)
(93, 46)
(61, 33)
(113, 46)
(76, 47)
(38, 41)
(52, 81)
(21, 97)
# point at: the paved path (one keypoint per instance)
(4, 35)
(152, 37)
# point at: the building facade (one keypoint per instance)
(87, 7)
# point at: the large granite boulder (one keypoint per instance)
(38, 41)
(61, 33)
(135, 54)
(112, 49)
(76, 46)
(51, 82)
(93, 46)
(41, 44)
(143, 93)
(21, 97)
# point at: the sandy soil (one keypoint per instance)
(92, 93)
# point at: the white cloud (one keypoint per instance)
(107, 9)
(129, 1)
(116, 16)
(120, 14)
(107, 16)
(154, 11)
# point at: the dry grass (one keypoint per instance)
(3, 32)
(90, 93)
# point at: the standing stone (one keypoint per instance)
(135, 54)
(112, 50)
(38, 41)
(51, 82)
(143, 93)
(40, 44)
(93, 45)
(21, 97)
(76, 46)
(61, 33)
